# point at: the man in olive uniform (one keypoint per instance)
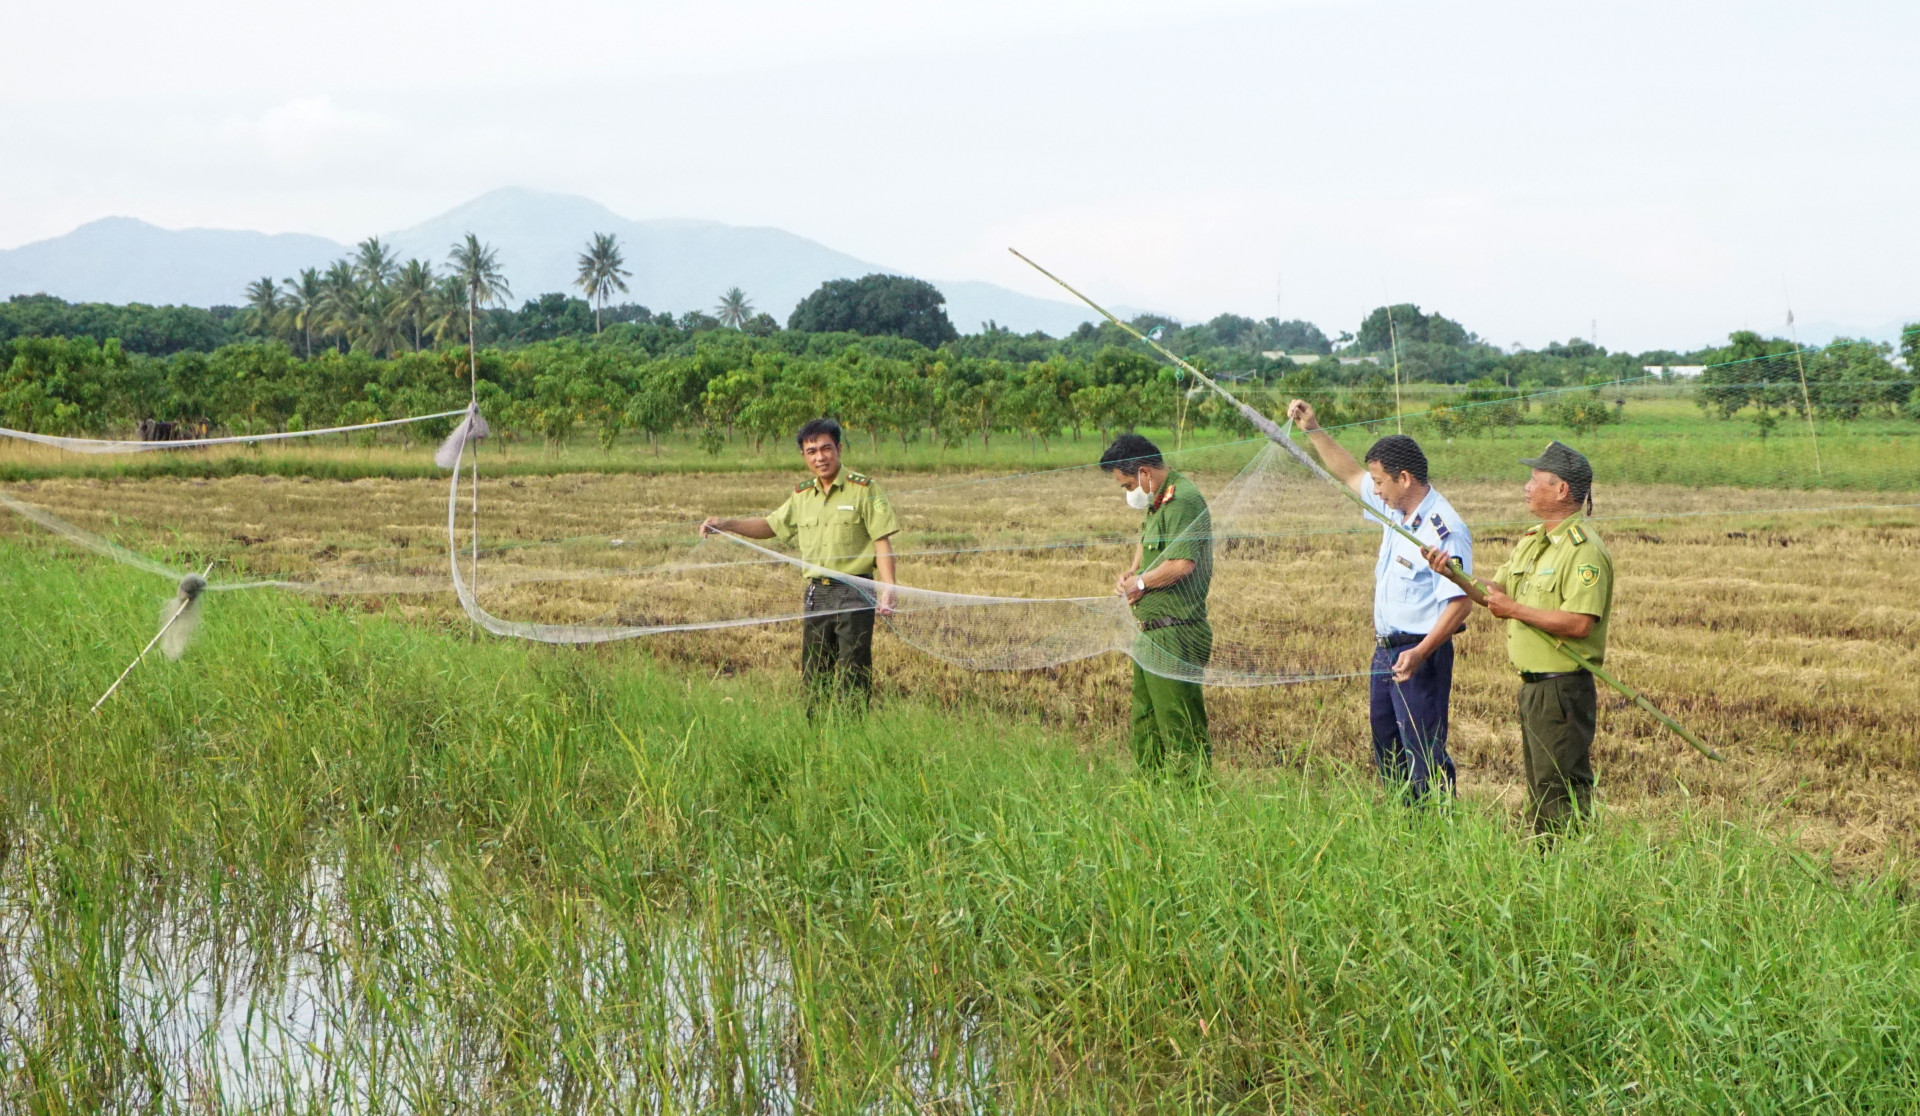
(844, 525)
(1167, 587)
(1557, 584)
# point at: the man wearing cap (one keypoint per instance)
(845, 526)
(1167, 587)
(1416, 612)
(1557, 587)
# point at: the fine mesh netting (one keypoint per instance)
(996, 573)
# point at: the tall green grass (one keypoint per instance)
(514, 878)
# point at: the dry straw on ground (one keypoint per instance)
(1787, 637)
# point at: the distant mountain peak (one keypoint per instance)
(677, 264)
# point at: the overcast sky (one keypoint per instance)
(1662, 172)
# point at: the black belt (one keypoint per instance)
(824, 581)
(1397, 639)
(1159, 622)
(1542, 676)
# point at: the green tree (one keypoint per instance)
(477, 269)
(734, 310)
(302, 299)
(263, 306)
(340, 303)
(1406, 325)
(602, 272)
(374, 264)
(413, 297)
(877, 305)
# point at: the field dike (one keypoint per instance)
(335, 862)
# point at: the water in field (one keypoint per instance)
(392, 1002)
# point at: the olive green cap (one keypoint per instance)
(1565, 462)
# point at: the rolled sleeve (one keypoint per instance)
(781, 521)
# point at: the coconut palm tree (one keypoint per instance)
(340, 302)
(412, 296)
(302, 300)
(447, 310)
(601, 272)
(478, 269)
(263, 305)
(374, 264)
(734, 309)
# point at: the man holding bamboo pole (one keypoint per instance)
(1416, 611)
(1555, 593)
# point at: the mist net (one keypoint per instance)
(1001, 573)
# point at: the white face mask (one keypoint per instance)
(1139, 499)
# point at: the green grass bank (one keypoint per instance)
(512, 878)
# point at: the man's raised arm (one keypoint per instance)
(1335, 457)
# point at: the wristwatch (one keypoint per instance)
(1140, 583)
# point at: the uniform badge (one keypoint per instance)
(1440, 528)
(1401, 558)
(1416, 522)
(1589, 575)
(856, 478)
(1578, 536)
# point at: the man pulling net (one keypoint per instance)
(845, 526)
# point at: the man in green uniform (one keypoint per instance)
(1558, 584)
(1167, 587)
(844, 525)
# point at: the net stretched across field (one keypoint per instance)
(996, 573)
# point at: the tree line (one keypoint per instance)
(371, 337)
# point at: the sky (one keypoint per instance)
(1651, 174)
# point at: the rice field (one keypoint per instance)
(346, 862)
(350, 856)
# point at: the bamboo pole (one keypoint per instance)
(1470, 585)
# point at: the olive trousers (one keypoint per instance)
(1169, 721)
(836, 648)
(1557, 720)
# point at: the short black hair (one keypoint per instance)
(813, 428)
(1398, 454)
(1127, 453)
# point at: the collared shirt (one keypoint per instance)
(1178, 527)
(836, 524)
(1408, 596)
(1568, 570)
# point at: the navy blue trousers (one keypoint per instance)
(1410, 721)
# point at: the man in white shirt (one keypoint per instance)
(1415, 611)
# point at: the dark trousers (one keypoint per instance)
(1557, 719)
(1168, 726)
(836, 647)
(1410, 721)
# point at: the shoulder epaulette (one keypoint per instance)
(856, 478)
(1533, 530)
(802, 487)
(1578, 536)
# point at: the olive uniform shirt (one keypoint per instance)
(836, 524)
(1566, 570)
(1178, 527)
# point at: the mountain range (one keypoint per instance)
(677, 265)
